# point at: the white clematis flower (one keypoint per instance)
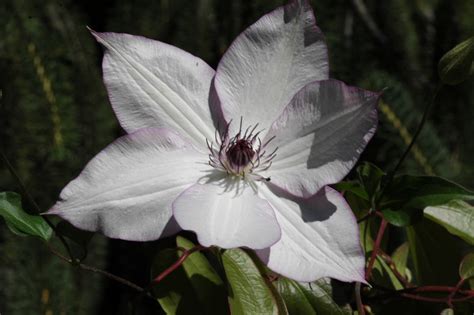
(242, 155)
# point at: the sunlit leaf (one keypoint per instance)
(248, 291)
(20, 222)
(400, 258)
(466, 268)
(456, 216)
(447, 311)
(326, 298)
(456, 65)
(295, 297)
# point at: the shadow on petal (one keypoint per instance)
(312, 33)
(308, 206)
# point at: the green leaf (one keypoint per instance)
(382, 274)
(370, 176)
(80, 238)
(466, 268)
(408, 195)
(447, 311)
(248, 291)
(20, 222)
(207, 284)
(456, 216)
(76, 235)
(353, 187)
(435, 253)
(174, 292)
(322, 295)
(294, 296)
(282, 310)
(456, 65)
(400, 258)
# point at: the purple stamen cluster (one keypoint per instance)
(241, 155)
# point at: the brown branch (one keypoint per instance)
(96, 270)
(378, 241)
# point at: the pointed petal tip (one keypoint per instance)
(93, 33)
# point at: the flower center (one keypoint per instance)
(242, 155)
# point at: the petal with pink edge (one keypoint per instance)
(269, 62)
(228, 214)
(320, 136)
(319, 238)
(152, 84)
(126, 191)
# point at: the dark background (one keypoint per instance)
(55, 116)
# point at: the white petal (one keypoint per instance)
(269, 62)
(153, 84)
(227, 214)
(320, 136)
(126, 191)
(319, 238)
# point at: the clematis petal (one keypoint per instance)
(269, 62)
(320, 238)
(225, 216)
(152, 84)
(126, 191)
(320, 136)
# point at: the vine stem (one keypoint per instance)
(378, 241)
(35, 205)
(71, 260)
(452, 294)
(97, 270)
(447, 300)
(413, 293)
(177, 264)
(426, 111)
(394, 269)
(360, 306)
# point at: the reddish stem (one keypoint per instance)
(378, 241)
(177, 264)
(434, 288)
(360, 305)
(272, 278)
(432, 299)
(452, 294)
(394, 269)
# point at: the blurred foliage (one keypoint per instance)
(54, 112)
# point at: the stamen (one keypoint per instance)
(242, 154)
